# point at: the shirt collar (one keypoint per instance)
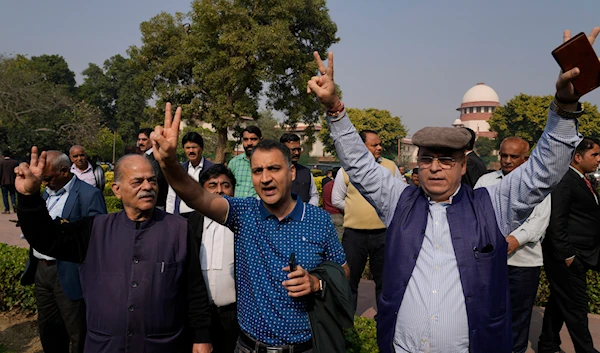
(578, 172)
(74, 168)
(199, 166)
(67, 188)
(297, 213)
(449, 202)
(148, 152)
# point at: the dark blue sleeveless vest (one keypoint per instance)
(134, 284)
(484, 277)
(301, 185)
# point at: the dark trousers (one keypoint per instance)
(568, 303)
(523, 283)
(224, 328)
(6, 190)
(60, 319)
(360, 244)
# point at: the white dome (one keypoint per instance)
(457, 122)
(480, 93)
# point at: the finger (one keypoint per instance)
(593, 35)
(176, 121)
(330, 64)
(168, 115)
(566, 35)
(569, 75)
(158, 140)
(24, 170)
(42, 160)
(322, 68)
(34, 156)
(313, 86)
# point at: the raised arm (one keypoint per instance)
(376, 184)
(528, 185)
(64, 241)
(164, 142)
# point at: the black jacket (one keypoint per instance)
(332, 311)
(574, 227)
(475, 169)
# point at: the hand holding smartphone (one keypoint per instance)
(292, 262)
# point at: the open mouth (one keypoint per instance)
(269, 191)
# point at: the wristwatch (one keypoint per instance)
(565, 113)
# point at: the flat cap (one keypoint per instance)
(442, 137)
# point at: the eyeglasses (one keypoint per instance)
(445, 162)
(78, 155)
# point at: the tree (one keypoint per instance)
(36, 111)
(54, 69)
(117, 90)
(388, 127)
(485, 147)
(233, 53)
(525, 116)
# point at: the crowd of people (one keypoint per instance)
(240, 257)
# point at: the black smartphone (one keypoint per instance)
(292, 262)
(578, 52)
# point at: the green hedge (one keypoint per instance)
(363, 337)
(14, 296)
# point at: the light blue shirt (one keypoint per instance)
(432, 316)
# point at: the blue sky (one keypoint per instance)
(413, 58)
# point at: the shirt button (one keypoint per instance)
(437, 247)
(134, 284)
(131, 308)
(129, 333)
(434, 291)
(437, 267)
(135, 260)
(436, 223)
(432, 317)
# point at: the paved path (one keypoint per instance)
(10, 234)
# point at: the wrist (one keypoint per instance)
(336, 105)
(565, 103)
(315, 284)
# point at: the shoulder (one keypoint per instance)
(207, 164)
(242, 203)
(488, 179)
(316, 213)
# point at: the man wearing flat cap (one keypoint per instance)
(445, 280)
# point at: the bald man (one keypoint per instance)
(84, 169)
(524, 244)
(139, 281)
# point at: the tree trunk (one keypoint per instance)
(221, 145)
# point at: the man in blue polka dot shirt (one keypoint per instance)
(271, 308)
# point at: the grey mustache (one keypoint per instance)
(146, 193)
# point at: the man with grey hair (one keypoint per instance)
(58, 292)
(445, 280)
(85, 171)
(140, 276)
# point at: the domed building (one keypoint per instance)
(478, 105)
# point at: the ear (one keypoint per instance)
(577, 158)
(463, 167)
(116, 190)
(293, 170)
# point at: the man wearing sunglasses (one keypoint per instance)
(445, 280)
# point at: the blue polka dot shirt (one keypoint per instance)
(263, 245)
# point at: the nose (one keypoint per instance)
(435, 165)
(265, 177)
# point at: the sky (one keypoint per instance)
(415, 58)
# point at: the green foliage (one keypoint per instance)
(103, 146)
(113, 204)
(362, 338)
(232, 54)
(525, 116)
(316, 172)
(14, 296)
(388, 127)
(54, 69)
(117, 90)
(34, 110)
